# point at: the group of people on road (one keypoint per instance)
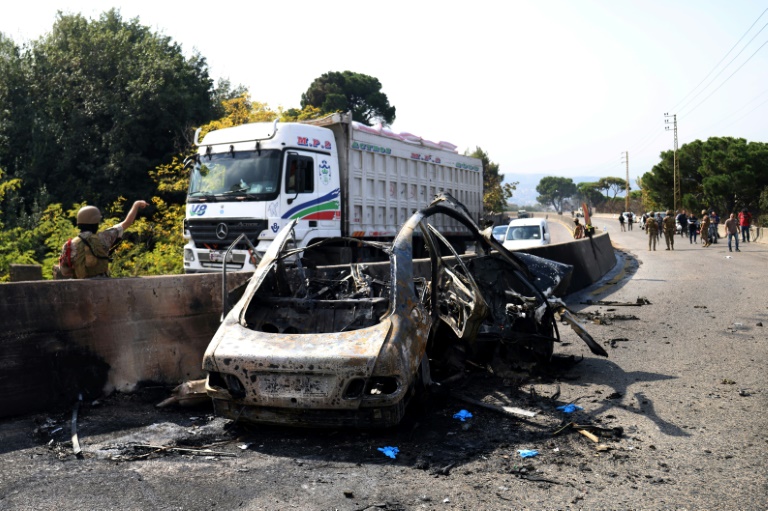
(655, 225)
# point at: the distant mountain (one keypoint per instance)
(526, 193)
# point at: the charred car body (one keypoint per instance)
(319, 339)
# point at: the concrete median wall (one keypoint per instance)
(63, 338)
(590, 258)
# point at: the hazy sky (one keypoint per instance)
(561, 87)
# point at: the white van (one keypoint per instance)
(527, 233)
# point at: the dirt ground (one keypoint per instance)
(678, 412)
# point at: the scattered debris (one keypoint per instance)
(512, 411)
(744, 393)
(727, 381)
(588, 434)
(614, 395)
(759, 323)
(189, 393)
(640, 301)
(444, 471)
(581, 332)
(569, 408)
(614, 342)
(614, 433)
(183, 450)
(462, 415)
(528, 453)
(75, 442)
(390, 452)
(600, 318)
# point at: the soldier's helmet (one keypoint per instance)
(89, 215)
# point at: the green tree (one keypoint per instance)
(554, 190)
(495, 192)
(612, 186)
(347, 91)
(722, 173)
(111, 99)
(589, 192)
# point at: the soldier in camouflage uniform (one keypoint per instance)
(669, 230)
(87, 255)
(705, 239)
(652, 230)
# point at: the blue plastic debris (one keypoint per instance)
(569, 408)
(528, 453)
(390, 451)
(462, 415)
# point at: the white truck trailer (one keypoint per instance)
(337, 176)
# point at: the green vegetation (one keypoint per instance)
(341, 92)
(101, 112)
(495, 194)
(555, 190)
(722, 173)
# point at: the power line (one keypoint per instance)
(726, 80)
(726, 67)
(721, 60)
(735, 112)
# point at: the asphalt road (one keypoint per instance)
(685, 381)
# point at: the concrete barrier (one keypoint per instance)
(590, 258)
(63, 338)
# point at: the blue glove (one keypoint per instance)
(462, 415)
(390, 451)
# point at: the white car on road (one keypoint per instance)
(527, 233)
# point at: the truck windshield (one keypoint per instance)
(248, 174)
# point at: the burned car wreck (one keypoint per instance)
(320, 339)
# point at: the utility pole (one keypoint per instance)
(675, 167)
(626, 198)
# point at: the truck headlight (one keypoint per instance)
(189, 255)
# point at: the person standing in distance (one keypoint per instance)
(745, 222)
(652, 230)
(705, 223)
(87, 255)
(578, 230)
(732, 231)
(669, 230)
(682, 219)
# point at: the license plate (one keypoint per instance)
(293, 385)
(217, 256)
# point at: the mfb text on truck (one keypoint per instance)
(338, 177)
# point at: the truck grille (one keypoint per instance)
(204, 232)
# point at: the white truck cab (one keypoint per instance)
(254, 178)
